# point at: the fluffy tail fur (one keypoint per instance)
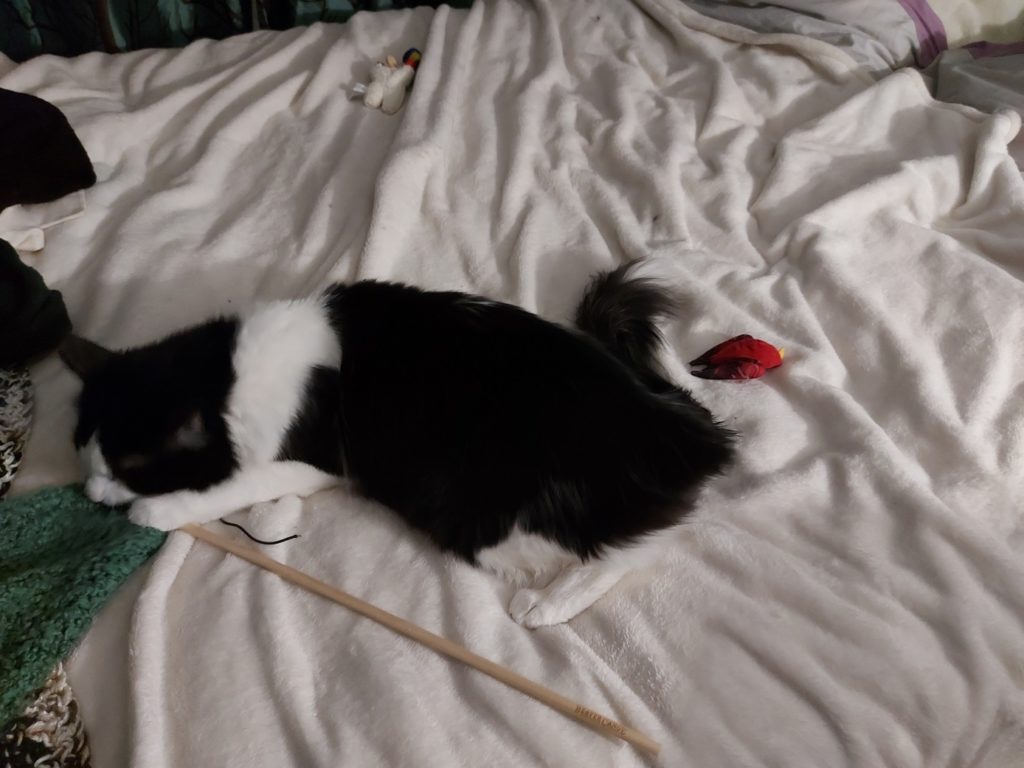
(621, 310)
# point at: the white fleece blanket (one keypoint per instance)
(851, 594)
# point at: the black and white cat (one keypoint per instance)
(549, 455)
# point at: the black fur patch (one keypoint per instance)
(468, 416)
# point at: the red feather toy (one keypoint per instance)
(741, 357)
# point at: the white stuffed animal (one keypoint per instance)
(389, 82)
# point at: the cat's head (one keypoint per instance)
(149, 418)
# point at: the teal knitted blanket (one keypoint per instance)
(61, 558)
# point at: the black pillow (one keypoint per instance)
(40, 156)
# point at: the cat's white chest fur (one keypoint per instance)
(278, 345)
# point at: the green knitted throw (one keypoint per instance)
(61, 558)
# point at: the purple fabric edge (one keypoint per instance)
(931, 34)
(983, 50)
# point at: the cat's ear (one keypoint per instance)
(191, 435)
(83, 356)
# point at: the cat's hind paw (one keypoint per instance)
(572, 592)
(532, 608)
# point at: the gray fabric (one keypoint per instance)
(878, 34)
(985, 84)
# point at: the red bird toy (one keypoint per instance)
(741, 357)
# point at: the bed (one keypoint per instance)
(850, 594)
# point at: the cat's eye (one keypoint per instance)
(133, 461)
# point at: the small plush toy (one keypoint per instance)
(389, 82)
(741, 357)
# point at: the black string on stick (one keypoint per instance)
(260, 541)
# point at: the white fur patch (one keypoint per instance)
(525, 558)
(100, 484)
(278, 345)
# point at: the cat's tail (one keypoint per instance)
(620, 310)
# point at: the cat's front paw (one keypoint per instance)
(105, 490)
(162, 513)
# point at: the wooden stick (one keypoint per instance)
(544, 695)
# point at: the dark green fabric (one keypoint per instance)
(70, 27)
(61, 558)
(33, 319)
